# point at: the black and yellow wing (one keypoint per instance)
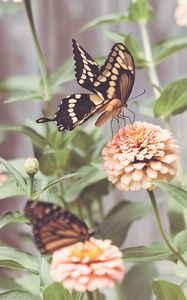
(116, 77)
(85, 67)
(54, 227)
(75, 110)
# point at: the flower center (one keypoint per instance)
(86, 249)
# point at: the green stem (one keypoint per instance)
(31, 186)
(90, 295)
(38, 50)
(89, 212)
(100, 206)
(79, 208)
(157, 215)
(149, 58)
(61, 188)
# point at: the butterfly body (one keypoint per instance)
(54, 227)
(110, 84)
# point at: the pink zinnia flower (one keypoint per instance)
(86, 266)
(181, 13)
(139, 153)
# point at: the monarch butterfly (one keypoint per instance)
(54, 227)
(110, 85)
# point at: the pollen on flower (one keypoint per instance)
(86, 266)
(138, 154)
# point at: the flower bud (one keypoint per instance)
(31, 166)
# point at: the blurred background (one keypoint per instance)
(57, 22)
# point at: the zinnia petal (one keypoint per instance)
(101, 268)
(142, 152)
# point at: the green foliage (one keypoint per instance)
(173, 99)
(71, 171)
(17, 295)
(175, 192)
(120, 218)
(165, 290)
(140, 11)
(166, 48)
(55, 291)
(109, 19)
(15, 174)
(155, 252)
(17, 259)
(11, 217)
(135, 284)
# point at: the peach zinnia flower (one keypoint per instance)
(139, 153)
(181, 13)
(86, 266)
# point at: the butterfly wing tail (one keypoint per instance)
(44, 120)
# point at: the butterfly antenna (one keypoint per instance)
(144, 91)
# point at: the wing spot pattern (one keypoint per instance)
(72, 101)
(115, 71)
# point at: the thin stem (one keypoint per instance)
(100, 206)
(79, 208)
(61, 188)
(90, 295)
(97, 295)
(149, 58)
(31, 186)
(39, 53)
(157, 215)
(89, 212)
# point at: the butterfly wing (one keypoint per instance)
(85, 67)
(54, 227)
(75, 110)
(116, 77)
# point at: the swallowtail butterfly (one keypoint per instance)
(110, 86)
(54, 227)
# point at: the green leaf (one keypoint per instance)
(45, 279)
(24, 97)
(180, 241)
(7, 9)
(9, 189)
(11, 217)
(8, 283)
(30, 283)
(140, 11)
(18, 259)
(54, 182)
(164, 49)
(165, 290)
(91, 176)
(155, 252)
(133, 289)
(173, 99)
(17, 295)
(20, 83)
(55, 291)
(15, 174)
(63, 74)
(118, 221)
(108, 19)
(179, 268)
(176, 193)
(36, 138)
